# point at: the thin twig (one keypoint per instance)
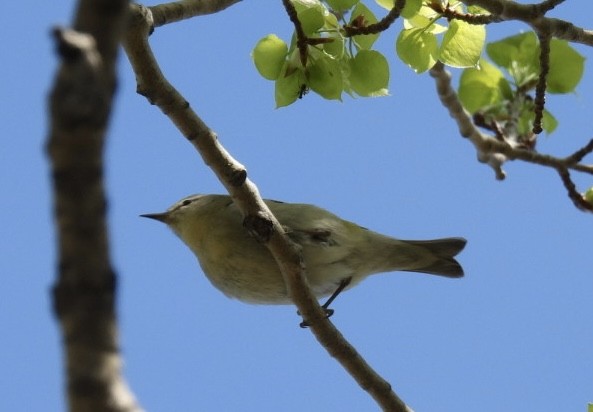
(167, 13)
(449, 13)
(540, 89)
(547, 5)
(577, 156)
(578, 199)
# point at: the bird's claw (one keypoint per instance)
(305, 324)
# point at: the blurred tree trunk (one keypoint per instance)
(84, 291)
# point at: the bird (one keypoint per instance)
(338, 254)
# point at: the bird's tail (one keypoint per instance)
(444, 250)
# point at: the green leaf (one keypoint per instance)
(269, 55)
(301, 5)
(325, 77)
(411, 8)
(288, 88)
(364, 41)
(428, 12)
(462, 44)
(369, 73)
(417, 48)
(509, 49)
(589, 198)
(312, 19)
(483, 87)
(426, 19)
(549, 122)
(341, 5)
(331, 22)
(519, 55)
(527, 118)
(424, 23)
(335, 48)
(386, 4)
(566, 67)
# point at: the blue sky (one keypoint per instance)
(515, 334)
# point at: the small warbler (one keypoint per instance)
(338, 254)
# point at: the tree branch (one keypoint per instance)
(577, 156)
(547, 5)
(451, 13)
(186, 9)
(84, 291)
(495, 151)
(578, 199)
(156, 88)
(533, 14)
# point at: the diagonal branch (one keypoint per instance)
(186, 9)
(547, 5)
(466, 126)
(577, 156)
(577, 199)
(156, 88)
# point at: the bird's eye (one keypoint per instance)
(186, 202)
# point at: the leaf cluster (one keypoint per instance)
(334, 63)
(433, 31)
(331, 53)
(502, 92)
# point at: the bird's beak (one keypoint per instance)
(161, 217)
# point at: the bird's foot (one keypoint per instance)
(305, 324)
